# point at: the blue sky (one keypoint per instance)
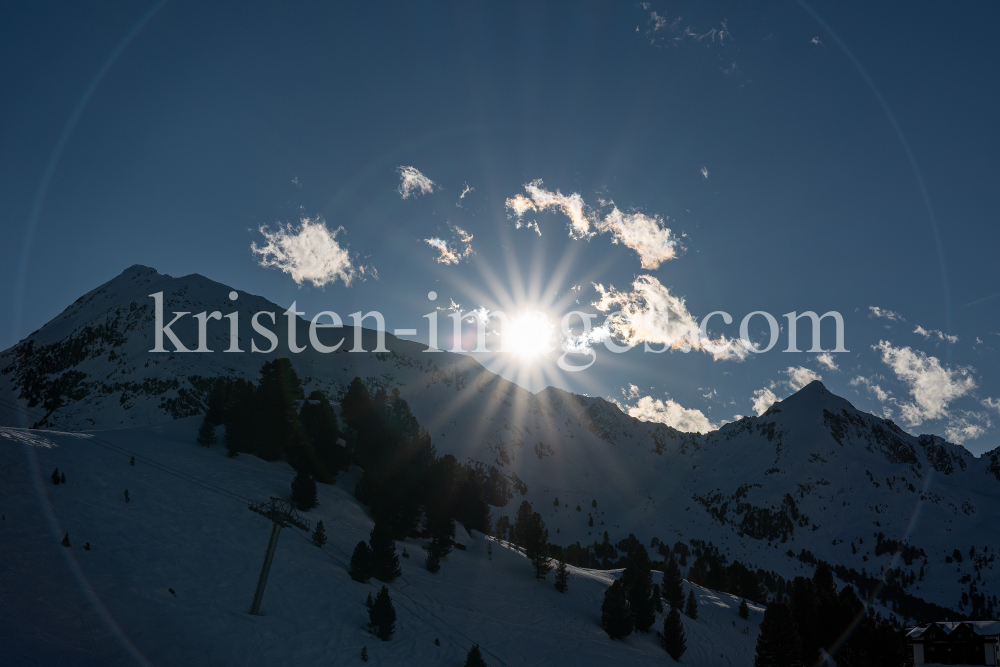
(833, 156)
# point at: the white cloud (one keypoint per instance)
(934, 333)
(816, 41)
(412, 181)
(826, 359)
(650, 313)
(647, 235)
(466, 191)
(763, 399)
(309, 252)
(457, 251)
(967, 426)
(932, 386)
(669, 412)
(887, 314)
(800, 376)
(704, 171)
(540, 199)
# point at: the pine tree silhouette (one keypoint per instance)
(778, 644)
(55, 476)
(304, 491)
(638, 582)
(65, 541)
(673, 635)
(127, 499)
(383, 615)
(744, 610)
(364, 653)
(433, 563)
(319, 535)
(616, 614)
(672, 589)
(62, 478)
(562, 576)
(385, 562)
(131, 461)
(657, 599)
(206, 433)
(691, 608)
(361, 562)
(475, 657)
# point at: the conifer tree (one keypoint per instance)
(382, 615)
(691, 608)
(319, 535)
(433, 562)
(657, 599)
(594, 504)
(638, 582)
(778, 644)
(127, 499)
(232, 444)
(385, 562)
(562, 576)
(673, 635)
(65, 541)
(475, 657)
(672, 589)
(616, 615)
(206, 433)
(304, 494)
(369, 602)
(62, 478)
(131, 461)
(744, 610)
(361, 562)
(55, 476)
(364, 654)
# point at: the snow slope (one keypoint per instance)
(112, 605)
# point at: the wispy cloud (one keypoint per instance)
(967, 426)
(411, 181)
(669, 412)
(934, 333)
(309, 252)
(932, 386)
(540, 199)
(651, 314)
(528, 225)
(817, 41)
(465, 190)
(662, 29)
(704, 172)
(885, 313)
(872, 385)
(647, 235)
(826, 359)
(800, 376)
(455, 252)
(991, 403)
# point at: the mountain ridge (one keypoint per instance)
(812, 474)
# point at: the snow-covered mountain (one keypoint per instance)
(812, 474)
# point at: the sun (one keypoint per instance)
(530, 335)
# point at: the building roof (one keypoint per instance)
(983, 628)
